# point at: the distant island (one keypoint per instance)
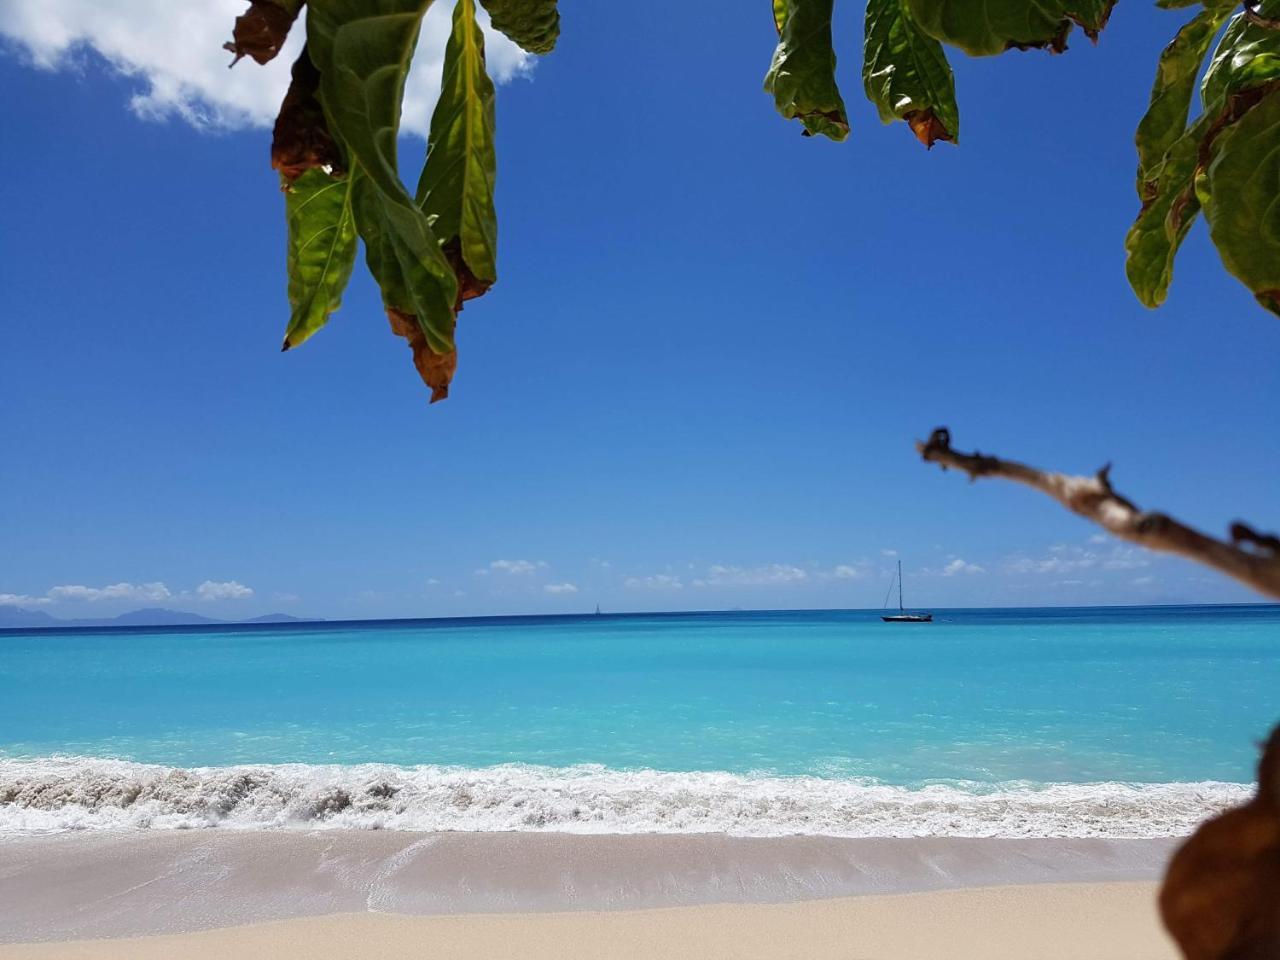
(16, 618)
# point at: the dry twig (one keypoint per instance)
(1250, 557)
(1253, 13)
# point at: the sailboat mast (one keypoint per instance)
(900, 606)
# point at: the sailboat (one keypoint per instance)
(902, 616)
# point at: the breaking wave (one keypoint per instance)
(72, 793)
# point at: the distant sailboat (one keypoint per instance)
(597, 609)
(902, 616)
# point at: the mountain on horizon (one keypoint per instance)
(17, 618)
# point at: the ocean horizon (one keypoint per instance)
(1014, 722)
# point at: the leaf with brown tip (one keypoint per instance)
(301, 140)
(362, 49)
(906, 74)
(436, 369)
(260, 31)
(802, 76)
(410, 288)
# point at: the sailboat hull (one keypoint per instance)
(903, 616)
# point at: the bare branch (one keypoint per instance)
(1251, 557)
(1253, 13)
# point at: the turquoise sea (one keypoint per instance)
(1091, 721)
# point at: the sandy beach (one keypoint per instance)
(342, 894)
(1107, 921)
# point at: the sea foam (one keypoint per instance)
(73, 793)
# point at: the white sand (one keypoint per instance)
(1100, 921)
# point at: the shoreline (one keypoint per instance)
(118, 884)
(44, 795)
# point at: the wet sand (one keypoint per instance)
(144, 883)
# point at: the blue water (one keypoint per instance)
(1152, 695)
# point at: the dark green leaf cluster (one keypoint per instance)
(983, 28)
(532, 24)
(1225, 162)
(904, 70)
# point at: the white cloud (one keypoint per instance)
(21, 600)
(515, 567)
(1126, 558)
(1052, 564)
(845, 572)
(173, 50)
(958, 566)
(223, 590)
(657, 581)
(432, 582)
(148, 592)
(1066, 558)
(888, 553)
(1143, 581)
(153, 592)
(773, 573)
(560, 588)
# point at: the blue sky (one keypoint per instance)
(695, 386)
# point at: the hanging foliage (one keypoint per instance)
(1214, 151)
(1222, 163)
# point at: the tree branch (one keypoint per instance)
(1253, 13)
(1251, 557)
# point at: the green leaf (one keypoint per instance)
(1243, 72)
(1248, 55)
(401, 250)
(1166, 117)
(1244, 210)
(1168, 211)
(362, 49)
(533, 25)
(802, 76)
(456, 189)
(1176, 184)
(906, 74)
(322, 250)
(779, 14)
(399, 253)
(983, 28)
